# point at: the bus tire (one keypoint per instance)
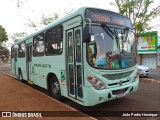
(55, 88)
(20, 76)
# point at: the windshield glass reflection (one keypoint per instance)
(111, 52)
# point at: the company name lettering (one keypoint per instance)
(148, 47)
(42, 65)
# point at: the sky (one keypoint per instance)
(14, 18)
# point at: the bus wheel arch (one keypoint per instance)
(54, 86)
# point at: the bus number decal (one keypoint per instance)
(63, 75)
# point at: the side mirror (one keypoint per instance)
(86, 35)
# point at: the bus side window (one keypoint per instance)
(54, 39)
(78, 45)
(50, 49)
(21, 49)
(39, 45)
(70, 47)
(12, 52)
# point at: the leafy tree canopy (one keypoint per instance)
(4, 53)
(139, 11)
(3, 35)
(45, 20)
(17, 36)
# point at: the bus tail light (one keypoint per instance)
(96, 83)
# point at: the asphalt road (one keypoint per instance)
(5, 68)
(154, 74)
(147, 98)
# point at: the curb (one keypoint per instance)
(150, 80)
(9, 75)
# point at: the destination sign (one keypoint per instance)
(97, 15)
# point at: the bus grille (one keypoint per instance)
(117, 83)
(114, 92)
(117, 76)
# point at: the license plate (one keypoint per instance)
(120, 95)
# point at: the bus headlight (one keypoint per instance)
(96, 83)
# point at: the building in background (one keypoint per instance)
(157, 28)
(147, 49)
(158, 56)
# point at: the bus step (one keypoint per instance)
(30, 82)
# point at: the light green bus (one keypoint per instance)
(87, 56)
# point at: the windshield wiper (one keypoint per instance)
(116, 38)
(107, 30)
(113, 35)
(124, 34)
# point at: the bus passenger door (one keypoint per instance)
(74, 63)
(29, 61)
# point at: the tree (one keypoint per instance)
(20, 2)
(4, 53)
(45, 20)
(18, 36)
(3, 35)
(49, 19)
(139, 12)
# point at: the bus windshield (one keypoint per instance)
(111, 49)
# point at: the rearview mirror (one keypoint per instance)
(86, 35)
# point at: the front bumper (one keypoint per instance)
(94, 96)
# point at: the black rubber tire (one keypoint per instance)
(55, 88)
(20, 76)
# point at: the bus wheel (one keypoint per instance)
(20, 76)
(55, 88)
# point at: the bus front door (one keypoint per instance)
(29, 62)
(74, 63)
